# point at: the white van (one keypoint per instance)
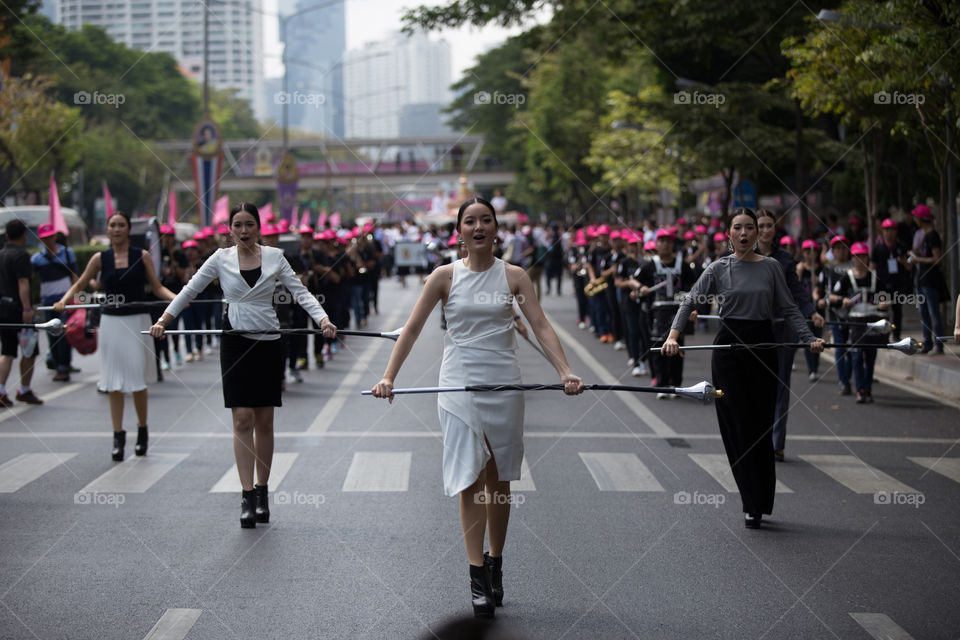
(33, 217)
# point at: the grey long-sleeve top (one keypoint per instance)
(745, 291)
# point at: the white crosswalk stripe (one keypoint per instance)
(716, 465)
(880, 626)
(857, 475)
(379, 471)
(949, 467)
(174, 624)
(135, 475)
(230, 481)
(619, 472)
(24, 469)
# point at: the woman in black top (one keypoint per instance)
(750, 288)
(127, 360)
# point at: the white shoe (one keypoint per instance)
(631, 362)
(165, 366)
(208, 351)
(582, 325)
(663, 396)
(638, 371)
(619, 345)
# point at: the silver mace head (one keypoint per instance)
(880, 326)
(54, 326)
(393, 335)
(908, 346)
(703, 392)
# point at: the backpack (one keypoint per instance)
(79, 335)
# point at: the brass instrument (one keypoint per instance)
(596, 287)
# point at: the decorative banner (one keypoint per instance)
(335, 220)
(321, 219)
(264, 163)
(305, 220)
(287, 185)
(266, 213)
(56, 215)
(221, 211)
(108, 200)
(172, 208)
(207, 162)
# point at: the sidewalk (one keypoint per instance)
(929, 375)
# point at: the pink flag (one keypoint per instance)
(322, 219)
(305, 220)
(107, 199)
(266, 213)
(56, 216)
(172, 208)
(221, 211)
(335, 220)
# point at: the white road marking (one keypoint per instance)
(856, 475)
(379, 471)
(26, 468)
(716, 465)
(949, 467)
(604, 376)
(47, 397)
(174, 624)
(230, 481)
(619, 472)
(135, 474)
(880, 626)
(525, 483)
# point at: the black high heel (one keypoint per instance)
(140, 448)
(483, 606)
(119, 442)
(263, 503)
(495, 568)
(248, 516)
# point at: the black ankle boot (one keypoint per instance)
(119, 442)
(140, 448)
(495, 568)
(263, 503)
(483, 606)
(248, 516)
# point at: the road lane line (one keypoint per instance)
(26, 468)
(525, 483)
(48, 397)
(717, 465)
(135, 474)
(856, 475)
(379, 471)
(949, 467)
(230, 481)
(174, 624)
(349, 386)
(880, 626)
(648, 417)
(619, 472)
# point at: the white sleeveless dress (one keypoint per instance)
(480, 347)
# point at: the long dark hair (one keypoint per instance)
(250, 208)
(472, 201)
(742, 211)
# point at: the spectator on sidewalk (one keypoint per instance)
(926, 252)
(15, 307)
(56, 266)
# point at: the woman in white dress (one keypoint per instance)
(482, 432)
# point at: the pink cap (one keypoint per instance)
(650, 245)
(615, 234)
(190, 243)
(165, 229)
(922, 212)
(367, 227)
(835, 239)
(690, 235)
(208, 232)
(46, 230)
(787, 241)
(269, 216)
(634, 238)
(199, 235)
(269, 230)
(603, 229)
(453, 240)
(889, 224)
(859, 249)
(318, 235)
(700, 228)
(223, 229)
(720, 236)
(329, 234)
(809, 244)
(283, 226)
(305, 229)
(581, 241)
(666, 233)
(681, 221)
(854, 220)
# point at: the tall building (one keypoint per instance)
(235, 36)
(386, 80)
(315, 41)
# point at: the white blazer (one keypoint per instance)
(249, 308)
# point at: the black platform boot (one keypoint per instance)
(263, 503)
(140, 448)
(483, 606)
(119, 442)
(495, 567)
(248, 516)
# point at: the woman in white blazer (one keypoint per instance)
(251, 365)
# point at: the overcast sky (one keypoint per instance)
(373, 19)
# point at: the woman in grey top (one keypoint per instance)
(750, 290)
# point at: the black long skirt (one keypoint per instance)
(748, 378)
(252, 371)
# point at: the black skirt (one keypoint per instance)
(748, 378)
(252, 371)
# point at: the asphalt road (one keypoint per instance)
(623, 526)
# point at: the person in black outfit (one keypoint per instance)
(894, 269)
(15, 307)
(931, 285)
